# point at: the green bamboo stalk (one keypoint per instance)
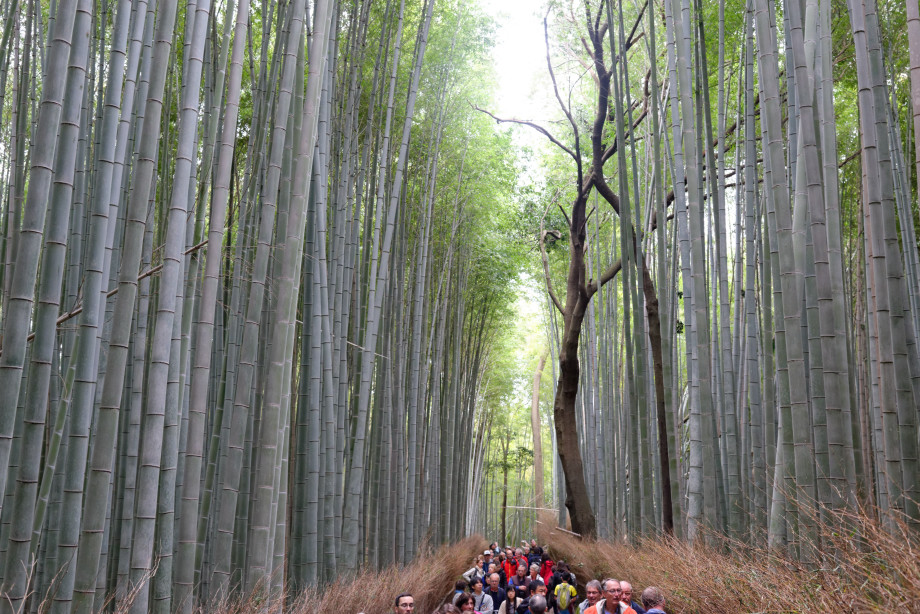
(18, 305)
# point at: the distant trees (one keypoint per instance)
(604, 137)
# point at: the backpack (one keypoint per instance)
(564, 595)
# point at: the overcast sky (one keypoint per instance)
(519, 57)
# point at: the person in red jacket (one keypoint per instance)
(546, 568)
(509, 566)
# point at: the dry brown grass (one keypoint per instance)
(430, 579)
(871, 569)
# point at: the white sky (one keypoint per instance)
(520, 58)
(520, 65)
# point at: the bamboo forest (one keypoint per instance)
(295, 290)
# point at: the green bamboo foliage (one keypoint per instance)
(174, 428)
(784, 409)
(257, 286)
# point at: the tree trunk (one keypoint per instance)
(576, 497)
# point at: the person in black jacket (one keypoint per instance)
(560, 572)
(535, 556)
(524, 606)
(495, 591)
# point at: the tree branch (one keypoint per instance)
(612, 149)
(546, 275)
(630, 41)
(607, 192)
(610, 273)
(849, 158)
(535, 126)
(152, 271)
(562, 105)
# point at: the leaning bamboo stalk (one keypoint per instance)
(897, 403)
(356, 478)
(188, 544)
(18, 305)
(136, 224)
(292, 259)
(248, 357)
(62, 193)
(701, 487)
(49, 299)
(913, 43)
(156, 434)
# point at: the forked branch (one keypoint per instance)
(535, 126)
(610, 273)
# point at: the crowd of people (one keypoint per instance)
(525, 580)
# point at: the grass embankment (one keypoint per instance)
(430, 578)
(878, 572)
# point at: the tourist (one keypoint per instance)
(511, 601)
(447, 608)
(550, 602)
(465, 603)
(561, 572)
(535, 555)
(519, 578)
(653, 600)
(610, 604)
(482, 601)
(592, 595)
(626, 597)
(473, 572)
(533, 589)
(546, 567)
(508, 564)
(499, 561)
(493, 568)
(535, 575)
(520, 560)
(537, 605)
(564, 594)
(459, 589)
(404, 604)
(495, 591)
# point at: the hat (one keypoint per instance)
(487, 553)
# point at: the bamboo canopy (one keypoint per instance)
(283, 297)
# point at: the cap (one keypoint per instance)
(487, 552)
